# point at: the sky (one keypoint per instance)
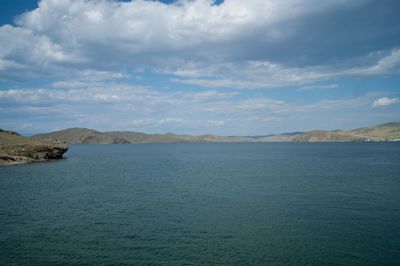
(230, 67)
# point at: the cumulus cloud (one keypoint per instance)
(154, 26)
(238, 44)
(385, 101)
(197, 60)
(26, 55)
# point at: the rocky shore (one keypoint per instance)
(16, 149)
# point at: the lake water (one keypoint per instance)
(223, 203)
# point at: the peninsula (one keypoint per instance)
(16, 149)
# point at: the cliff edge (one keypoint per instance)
(16, 149)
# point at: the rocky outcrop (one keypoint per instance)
(25, 153)
(16, 149)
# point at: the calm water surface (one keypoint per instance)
(227, 203)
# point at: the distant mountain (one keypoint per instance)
(82, 136)
(384, 132)
(284, 137)
(90, 136)
(135, 137)
(388, 131)
(328, 136)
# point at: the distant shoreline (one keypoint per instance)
(383, 132)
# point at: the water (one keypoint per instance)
(226, 203)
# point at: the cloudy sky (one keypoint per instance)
(228, 67)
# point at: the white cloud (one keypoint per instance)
(196, 41)
(152, 25)
(116, 94)
(265, 74)
(385, 101)
(119, 106)
(150, 103)
(91, 51)
(25, 54)
(385, 65)
(317, 87)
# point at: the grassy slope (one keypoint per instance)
(389, 131)
(10, 138)
(327, 136)
(83, 135)
(384, 131)
(18, 149)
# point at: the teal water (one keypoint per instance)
(226, 203)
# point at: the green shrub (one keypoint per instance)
(29, 153)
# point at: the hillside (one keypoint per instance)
(388, 131)
(383, 132)
(328, 136)
(135, 137)
(90, 136)
(16, 149)
(82, 136)
(285, 137)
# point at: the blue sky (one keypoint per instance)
(194, 67)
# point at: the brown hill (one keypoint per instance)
(384, 132)
(82, 136)
(90, 136)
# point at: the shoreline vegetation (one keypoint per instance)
(17, 149)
